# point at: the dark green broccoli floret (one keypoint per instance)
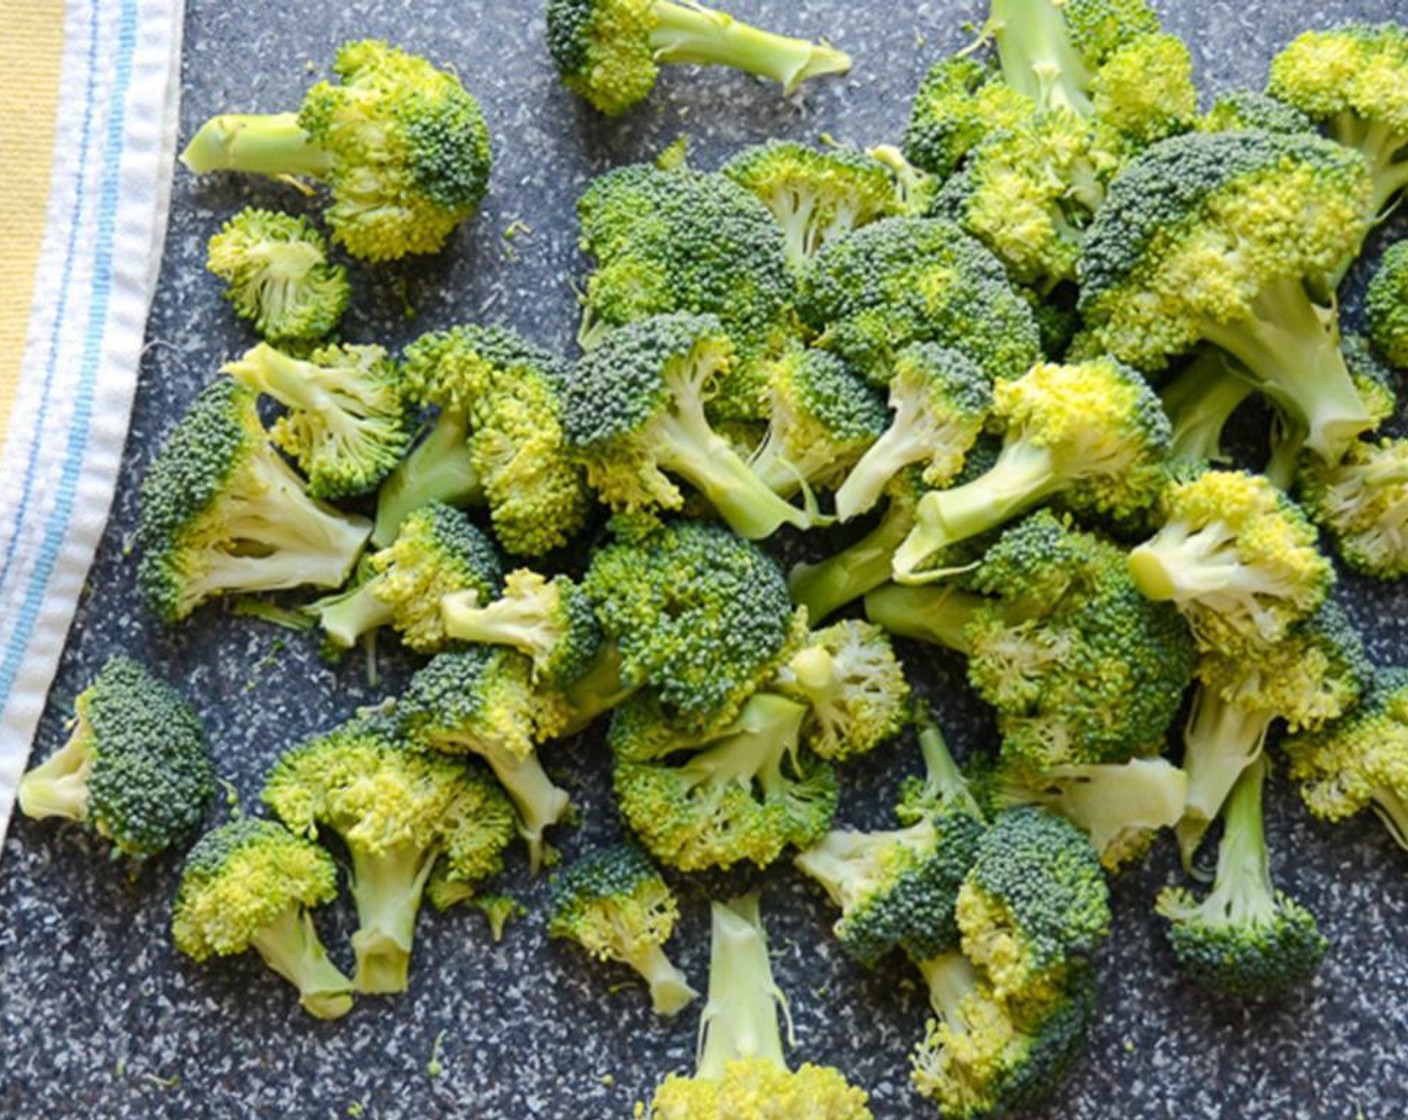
(249, 885)
(609, 52)
(1386, 303)
(1241, 110)
(959, 103)
(635, 409)
(347, 424)
(400, 813)
(437, 552)
(616, 906)
(135, 768)
(278, 275)
(222, 512)
(401, 145)
(1246, 939)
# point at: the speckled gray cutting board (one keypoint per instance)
(100, 1018)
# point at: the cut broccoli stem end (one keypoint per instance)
(291, 947)
(740, 1015)
(387, 888)
(828, 586)
(928, 614)
(694, 34)
(670, 992)
(345, 618)
(1182, 567)
(440, 469)
(539, 802)
(271, 144)
(1037, 56)
(58, 787)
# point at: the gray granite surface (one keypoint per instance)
(101, 1019)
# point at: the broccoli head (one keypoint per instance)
(958, 104)
(1386, 303)
(1245, 110)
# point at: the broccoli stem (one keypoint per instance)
(291, 947)
(539, 802)
(348, 616)
(815, 676)
(847, 575)
(753, 747)
(1023, 475)
(387, 888)
(1380, 144)
(1200, 400)
(846, 863)
(930, 614)
(59, 786)
(270, 144)
(1037, 56)
(1243, 894)
(1291, 351)
(596, 691)
(1179, 566)
(1392, 810)
(669, 988)
(908, 439)
(440, 469)
(517, 622)
(740, 1015)
(951, 978)
(1220, 741)
(693, 33)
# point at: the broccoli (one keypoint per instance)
(221, 512)
(635, 409)
(347, 424)
(1200, 400)
(437, 552)
(497, 441)
(849, 676)
(480, 700)
(616, 906)
(741, 1072)
(401, 145)
(1034, 900)
(1236, 556)
(1386, 304)
(822, 418)
(1246, 939)
(1080, 666)
(985, 1054)
(1362, 502)
(1361, 761)
(1119, 806)
(400, 813)
(1243, 110)
(902, 280)
(1093, 433)
(940, 399)
(278, 275)
(943, 789)
(249, 885)
(1220, 238)
(609, 52)
(135, 768)
(745, 790)
(815, 196)
(960, 102)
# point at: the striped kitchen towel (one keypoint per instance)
(88, 96)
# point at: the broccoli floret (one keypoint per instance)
(960, 102)
(249, 885)
(1360, 761)
(984, 1054)
(135, 768)
(497, 441)
(941, 400)
(635, 409)
(1236, 557)
(1362, 502)
(699, 615)
(400, 813)
(741, 1073)
(1386, 303)
(480, 700)
(278, 275)
(347, 424)
(742, 791)
(822, 418)
(902, 280)
(1243, 110)
(1093, 433)
(943, 789)
(1034, 899)
(1219, 237)
(616, 906)
(401, 145)
(438, 552)
(609, 52)
(1246, 939)
(221, 512)
(1081, 667)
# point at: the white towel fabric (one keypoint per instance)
(87, 303)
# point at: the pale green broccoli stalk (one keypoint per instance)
(347, 424)
(609, 52)
(1200, 400)
(1038, 57)
(617, 907)
(249, 884)
(1386, 304)
(1246, 939)
(438, 552)
(221, 513)
(1362, 503)
(401, 145)
(278, 275)
(135, 768)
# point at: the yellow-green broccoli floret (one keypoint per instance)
(958, 104)
(401, 145)
(249, 885)
(1362, 503)
(1386, 304)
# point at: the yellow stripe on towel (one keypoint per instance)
(31, 54)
